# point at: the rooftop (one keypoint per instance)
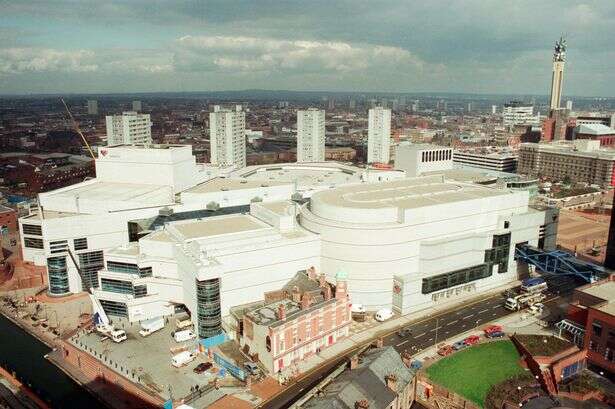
(602, 290)
(595, 129)
(543, 345)
(224, 184)
(567, 148)
(404, 194)
(215, 226)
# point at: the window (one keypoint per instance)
(32, 229)
(116, 286)
(90, 264)
(118, 267)
(33, 243)
(506, 224)
(58, 246)
(115, 308)
(58, 275)
(140, 291)
(597, 328)
(80, 244)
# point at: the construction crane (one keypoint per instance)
(76, 126)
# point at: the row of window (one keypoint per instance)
(115, 308)
(432, 156)
(33, 243)
(89, 264)
(119, 267)
(32, 229)
(123, 287)
(457, 277)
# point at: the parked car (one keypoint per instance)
(471, 340)
(383, 314)
(404, 332)
(492, 328)
(252, 368)
(202, 367)
(445, 350)
(496, 334)
(459, 345)
(357, 308)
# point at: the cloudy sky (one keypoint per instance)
(476, 46)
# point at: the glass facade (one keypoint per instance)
(118, 267)
(114, 308)
(80, 244)
(498, 254)
(208, 307)
(89, 264)
(58, 275)
(447, 280)
(116, 286)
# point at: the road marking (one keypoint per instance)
(420, 335)
(430, 339)
(467, 316)
(494, 314)
(452, 322)
(481, 311)
(401, 343)
(495, 306)
(435, 329)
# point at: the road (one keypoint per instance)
(424, 334)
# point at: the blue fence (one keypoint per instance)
(232, 368)
(213, 341)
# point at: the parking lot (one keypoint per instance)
(148, 359)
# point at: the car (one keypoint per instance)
(471, 340)
(492, 328)
(383, 314)
(495, 334)
(202, 367)
(459, 345)
(357, 308)
(404, 332)
(251, 367)
(445, 350)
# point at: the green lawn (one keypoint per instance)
(472, 372)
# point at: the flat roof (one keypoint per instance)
(604, 291)
(111, 191)
(303, 174)
(223, 184)
(215, 226)
(405, 193)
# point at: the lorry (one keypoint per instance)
(183, 322)
(533, 285)
(150, 326)
(185, 335)
(183, 358)
(523, 300)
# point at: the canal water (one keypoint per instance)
(23, 354)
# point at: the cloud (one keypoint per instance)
(15, 61)
(234, 54)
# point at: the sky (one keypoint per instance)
(470, 46)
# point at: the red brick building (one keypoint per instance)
(593, 308)
(8, 219)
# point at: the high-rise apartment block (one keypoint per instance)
(128, 129)
(379, 135)
(227, 128)
(92, 107)
(518, 113)
(311, 135)
(137, 106)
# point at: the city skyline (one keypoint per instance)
(492, 48)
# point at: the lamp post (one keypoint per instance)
(437, 326)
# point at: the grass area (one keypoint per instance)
(472, 372)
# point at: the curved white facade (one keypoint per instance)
(411, 229)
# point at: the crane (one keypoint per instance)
(76, 126)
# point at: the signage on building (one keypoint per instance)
(232, 368)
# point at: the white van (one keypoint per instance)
(383, 314)
(183, 358)
(185, 335)
(118, 335)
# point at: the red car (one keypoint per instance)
(471, 340)
(445, 350)
(492, 328)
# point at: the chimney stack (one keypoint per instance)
(361, 404)
(281, 311)
(296, 295)
(391, 380)
(305, 301)
(311, 272)
(327, 292)
(354, 362)
(322, 280)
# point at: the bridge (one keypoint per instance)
(558, 263)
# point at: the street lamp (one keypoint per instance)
(437, 326)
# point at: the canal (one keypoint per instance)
(23, 354)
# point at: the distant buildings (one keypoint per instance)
(227, 137)
(311, 135)
(485, 158)
(129, 128)
(578, 161)
(379, 135)
(92, 107)
(308, 314)
(518, 113)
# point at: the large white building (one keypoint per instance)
(129, 128)
(412, 242)
(208, 264)
(501, 160)
(518, 113)
(416, 159)
(378, 135)
(311, 135)
(227, 129)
